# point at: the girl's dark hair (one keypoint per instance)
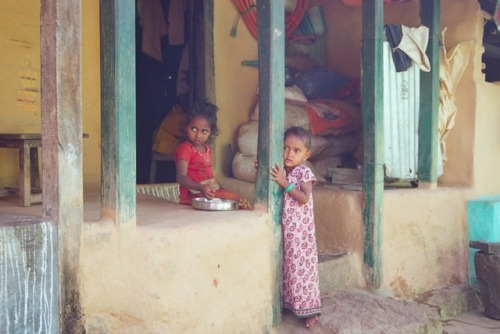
(205, 109)
(301, 133)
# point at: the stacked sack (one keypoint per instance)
(330, 141)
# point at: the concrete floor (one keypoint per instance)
(91, 206)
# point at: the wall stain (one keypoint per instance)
(400, 287)
(29, 95)
(22, 44)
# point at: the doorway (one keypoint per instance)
(171, 57)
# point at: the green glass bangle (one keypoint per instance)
(290, 187)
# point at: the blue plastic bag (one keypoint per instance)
(322, 83)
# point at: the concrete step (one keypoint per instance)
(356, 311)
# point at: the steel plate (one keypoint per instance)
(215, 204)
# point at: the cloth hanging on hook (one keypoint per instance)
(176, 13)
(414, 43)
(408, 46)
(153, 25)
(394, 34)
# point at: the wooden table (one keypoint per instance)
(27, 145)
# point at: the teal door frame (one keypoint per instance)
(373, 119)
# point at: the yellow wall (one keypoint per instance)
(91, 94)
(487, 143)
(235, 85)
(20, 83)
(463, 24)
(20, 77)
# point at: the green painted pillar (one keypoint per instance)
(373, 121)
(118, 110)
(430, 13)
(271, 34)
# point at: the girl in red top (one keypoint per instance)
(193, 158)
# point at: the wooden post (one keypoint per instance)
(271, 34)
(373, 121)
(118, 110)
(430, 13)
(60, 44)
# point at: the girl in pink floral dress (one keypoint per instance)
(300, 256)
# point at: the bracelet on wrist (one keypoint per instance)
(289, 187)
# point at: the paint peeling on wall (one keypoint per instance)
(28, 96)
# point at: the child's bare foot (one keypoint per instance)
(311, 321)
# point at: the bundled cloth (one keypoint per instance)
(408, 46)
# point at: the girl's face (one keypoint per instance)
(198, 131)
(295, 152)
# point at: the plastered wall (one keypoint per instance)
(487, 143)
(20, 83)
(91, 95)
(235, 85)
(424, 240)
(20, 79)
(186, 272)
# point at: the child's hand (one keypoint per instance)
(207, 191)
(278, 174)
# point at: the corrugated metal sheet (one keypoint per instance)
(401, 113)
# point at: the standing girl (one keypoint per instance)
(193, 158)
(300, 256)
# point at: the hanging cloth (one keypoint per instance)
(394, 34)
(153, 25)
(414, 43)
(176, 13)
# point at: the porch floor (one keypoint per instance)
(91, 206)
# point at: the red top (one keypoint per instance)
(199, 164)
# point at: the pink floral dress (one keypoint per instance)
(300, 256)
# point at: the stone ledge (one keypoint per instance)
(451, 300)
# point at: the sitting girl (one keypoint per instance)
(193, 158)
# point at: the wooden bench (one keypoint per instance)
(27, 144)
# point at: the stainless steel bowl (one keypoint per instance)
(215, 204)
